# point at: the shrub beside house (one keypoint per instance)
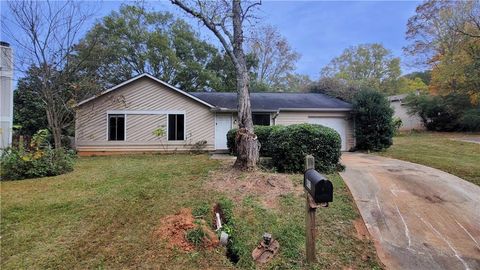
(288, 146)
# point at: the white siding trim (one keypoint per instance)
(125, 128)
(144, 112)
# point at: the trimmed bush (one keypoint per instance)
(262, 132)
(374, 126)
(290, 145)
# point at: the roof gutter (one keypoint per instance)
(218, 109)
(315, 109)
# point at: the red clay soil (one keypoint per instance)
(362, 232)
(173, 229)
(268, 187)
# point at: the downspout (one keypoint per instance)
(275, 116)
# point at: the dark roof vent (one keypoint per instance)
(3, 43)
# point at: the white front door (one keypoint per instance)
(338, 124)
(223, 123)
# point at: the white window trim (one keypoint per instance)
(184, 127)
(125, 127)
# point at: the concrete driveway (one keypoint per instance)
(419, 217)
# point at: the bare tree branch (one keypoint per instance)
(50, 30)
(210, 24)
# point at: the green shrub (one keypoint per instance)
(374, 127)
(231, 145)
(470, 120)
(452, 112)
(17, 164)
(38, 160)
(290, 145)
(262, 132)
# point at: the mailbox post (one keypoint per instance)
(318, 192)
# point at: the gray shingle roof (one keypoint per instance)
(275, 101)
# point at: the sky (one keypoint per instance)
(318, 30)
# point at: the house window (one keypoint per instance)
(116, 127)
(176, 127)
(261, 119)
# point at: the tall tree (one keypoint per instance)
(275, 57)
(425, 76)
(445, 35)
(134, 41)
(411, 85)
(334, 87)
(293, 82)
(28, 109)
(367, 65)
(45, 33)
(226, 21)
(224, 69)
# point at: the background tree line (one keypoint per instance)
(121, 45)
(66, 68)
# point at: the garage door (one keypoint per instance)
(338, 124)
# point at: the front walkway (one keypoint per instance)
(419, 217)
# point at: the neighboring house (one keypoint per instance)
(145, 114)
(6, 95)
(409, 122)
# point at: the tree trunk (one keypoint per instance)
(54, 127)
(246, 140)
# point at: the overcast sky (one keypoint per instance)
(318, 30)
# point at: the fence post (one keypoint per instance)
(310, 216)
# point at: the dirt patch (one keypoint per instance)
(173, 229)
(362, 232)
(268, 187)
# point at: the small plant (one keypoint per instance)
(199, 147)
(397, 123)
(159, 132)
(196, 236)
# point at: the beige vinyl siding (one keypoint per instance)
(409, 122)
(145, 97)
(289, 118)
(140, 128)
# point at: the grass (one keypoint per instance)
(103, 215)
(337, 246)
(439, 150)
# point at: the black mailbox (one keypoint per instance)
(319, 187)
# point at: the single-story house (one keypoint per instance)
(145, 114)
(409, 122)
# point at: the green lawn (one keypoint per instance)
(438, 150)
(104, 214)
